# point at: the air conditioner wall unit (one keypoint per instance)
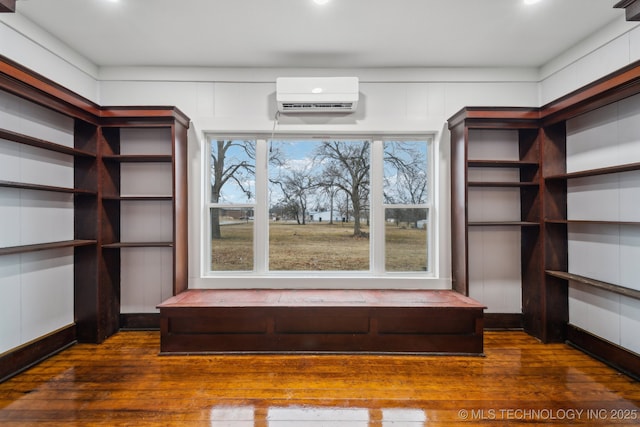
(317, 94)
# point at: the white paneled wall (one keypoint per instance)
(146, 273)
(608, 136)
(37, 287)
(589, 66)
(594, 251)
(494, 251)
(145, 179)
(46, 292)
(146, 221)
(493, 145)
(17, 115)
(146, 278)
(10, 310)
(494, 268)
(35, 48)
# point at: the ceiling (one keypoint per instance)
(301, 33)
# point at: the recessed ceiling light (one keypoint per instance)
(531, 1)
(321, 1)
(316, 90)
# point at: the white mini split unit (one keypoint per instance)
(317, 94)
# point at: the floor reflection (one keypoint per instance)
(295, 416)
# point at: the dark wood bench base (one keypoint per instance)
(317, 321)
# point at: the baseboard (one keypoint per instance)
(140, 321)
(611, 354)
(503, 321)
(30, 354)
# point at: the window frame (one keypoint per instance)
(377, 208)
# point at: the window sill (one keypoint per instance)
(309, 281)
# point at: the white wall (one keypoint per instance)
(394, 100)
(605, 137)
(385, 106)
(495, 277)
(37, 287)
(607, 50)
(34, 48)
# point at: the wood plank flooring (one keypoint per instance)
(124, 382)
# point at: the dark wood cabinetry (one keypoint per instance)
(522, 160)
(543, 186)
(97, 160)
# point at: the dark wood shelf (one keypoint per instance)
(138, 198)
(94, 151)
(595, 172)
(500, 164)
(139, 158)
(584, 221)
(40, 143)
(621, 290)
(119, 245)
(44, 246)
(539, 317)
(501, 184)
(38, 187)
(501, 223)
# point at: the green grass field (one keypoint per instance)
(317, 247)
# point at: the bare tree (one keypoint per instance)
(407, 182)
(297, 187)
(330, 191)
(346, 165)
(225, 168)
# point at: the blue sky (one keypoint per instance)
(298, 155)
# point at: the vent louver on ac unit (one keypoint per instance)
(317, 94)
(317, 106)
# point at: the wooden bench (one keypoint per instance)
(318, 321)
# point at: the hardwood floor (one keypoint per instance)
(125, 382)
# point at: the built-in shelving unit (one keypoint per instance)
(40, 143)
(11, 250)
(503, 223)
(50, 195)
(74, 221)
(139, 158)
(588, 221)
(138, 198)
(592, 154)
(621, 290)
(38, 187)
(143, 161)
(138, 245)
(578, 186)
(501, 184)
(496, 217)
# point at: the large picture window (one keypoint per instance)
(319, 205)
(232, 203)
(349, 205)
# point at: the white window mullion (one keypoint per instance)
(261, 214)
(432, 191)
(206, 212)
(376, 237)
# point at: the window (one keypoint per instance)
(350, 205)
(405, 203)
(232, 198)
